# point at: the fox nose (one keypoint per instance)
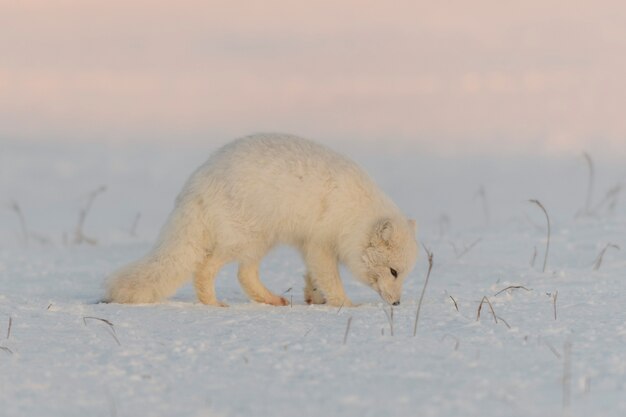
(397, 303)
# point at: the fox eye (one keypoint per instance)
(393, 272)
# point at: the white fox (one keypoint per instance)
(267, 189)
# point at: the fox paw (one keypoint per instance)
(313, 296)
(215, 303)
(277, 301)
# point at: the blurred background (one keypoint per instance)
(450, 77)
(456, 108)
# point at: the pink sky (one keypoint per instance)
(481, 76)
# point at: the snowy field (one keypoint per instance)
(557, 346)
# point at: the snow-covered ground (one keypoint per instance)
(180, 358)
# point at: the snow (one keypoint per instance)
(181, 358)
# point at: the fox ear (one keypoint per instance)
(383, 230)
(413, 225)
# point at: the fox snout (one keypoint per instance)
(390, 299)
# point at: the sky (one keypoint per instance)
(450, 77)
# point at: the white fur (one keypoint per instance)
(267, 189)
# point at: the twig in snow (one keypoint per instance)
(17, 209)
(454, 301)
(511, 287)
(480, 306)
(6, 349)
(419, 303)
(79, 236)
(598, 262)
(534, 258)
(345, 336)
(545, 259)
(567, 373)
(110, 326)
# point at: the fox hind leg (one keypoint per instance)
(204, 282)
(248, 275)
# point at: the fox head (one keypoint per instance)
(389, 255)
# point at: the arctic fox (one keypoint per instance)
(267, 189)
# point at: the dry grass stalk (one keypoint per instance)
(345, 336)
(111, 400)
(511, 287)
(567, 374)
(419, 303)
(534, 258)
(110, 327)
(41, 239)
(545, 259)
(454, 301)
(389, 319)
(17, 209)
(504, 321)
(6, 349)
(288, 290)
(587, 209)
(340, 307)
(554, 297)
(480, 306)
(553, 350)
(612, 196)
(9, 327)
(444, 224)
(79, 236)
(467, 248)
(457, 342)
(610, 200)
(482, 194)
(133, 227)
(598, 262)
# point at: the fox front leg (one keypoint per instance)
(312, 295)
(324, 274)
